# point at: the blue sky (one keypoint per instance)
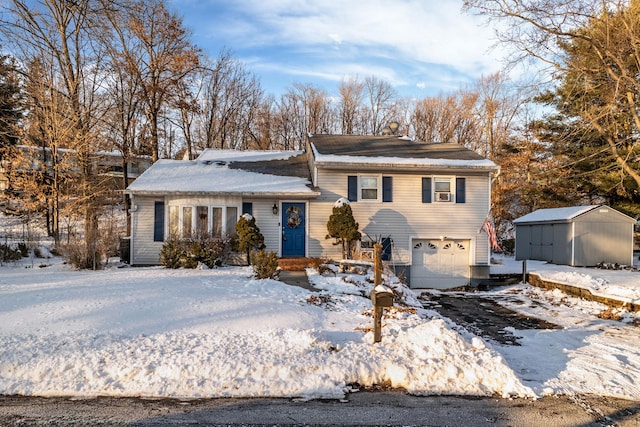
(421, 47)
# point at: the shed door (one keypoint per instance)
(440, 264)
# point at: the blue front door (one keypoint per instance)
(293, 229)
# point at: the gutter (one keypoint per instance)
(254, 194)
(402, 166)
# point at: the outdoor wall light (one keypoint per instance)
(274, 209)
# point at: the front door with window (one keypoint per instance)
(293, 229)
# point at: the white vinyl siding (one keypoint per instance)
(405, 218)
(267, 222)
(144, 251)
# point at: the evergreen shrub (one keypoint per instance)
(265, 264)
(189, 253)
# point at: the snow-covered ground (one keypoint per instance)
(209, 333)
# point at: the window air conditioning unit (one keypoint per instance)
(443, 196)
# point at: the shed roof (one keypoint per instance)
(560, 214)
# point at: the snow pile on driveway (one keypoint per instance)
(209, 333)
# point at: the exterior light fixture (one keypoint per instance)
(274, 209)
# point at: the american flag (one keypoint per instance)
(491, 232)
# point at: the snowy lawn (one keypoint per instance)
(212, 333)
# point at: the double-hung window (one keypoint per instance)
(370, 187)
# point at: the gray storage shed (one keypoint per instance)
(577, 236)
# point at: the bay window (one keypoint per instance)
(184, 221)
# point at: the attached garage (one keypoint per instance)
(440, 264)
(577, 236)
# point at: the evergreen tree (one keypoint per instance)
(343, 227)
(10, 104)
(248, 236)
(592, 47)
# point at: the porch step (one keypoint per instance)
(296, 264)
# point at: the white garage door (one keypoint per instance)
(440, 264)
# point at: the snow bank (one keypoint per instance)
(211, 333)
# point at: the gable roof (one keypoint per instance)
(378, 150)
(561, 214)
(228, 172)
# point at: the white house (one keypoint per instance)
(426, 202)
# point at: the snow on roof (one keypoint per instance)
(196, 176)
(215, 155)
(555, 214)
(406, 161)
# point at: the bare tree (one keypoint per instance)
(380, 96)
(123, 118)
(447, 118)
(303, 109)
(351, 96)
(229, 102)
(61, 35)
(156, 50)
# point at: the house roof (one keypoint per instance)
(561, 214)
(248, 173)
(357, 149)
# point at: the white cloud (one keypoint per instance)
(432, 32)
(415, 44)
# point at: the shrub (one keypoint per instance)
(248, 236)
(265, 264)
(7, 253)
(24, 249)
(81, 257)
(214, 252)
(171, 253)
(189, 253)
(343, 227)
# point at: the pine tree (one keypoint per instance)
(248, 236)
(10, 103)
(343, 227)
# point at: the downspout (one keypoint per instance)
(134, 226)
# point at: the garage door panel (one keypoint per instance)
(440, 264)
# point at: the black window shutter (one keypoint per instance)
(387, 189)
(158, 222)
(461, 186)
(247, 207)
(426, 190)
(386, 249)
(352, 191)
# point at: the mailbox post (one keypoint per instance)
(381, 296)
